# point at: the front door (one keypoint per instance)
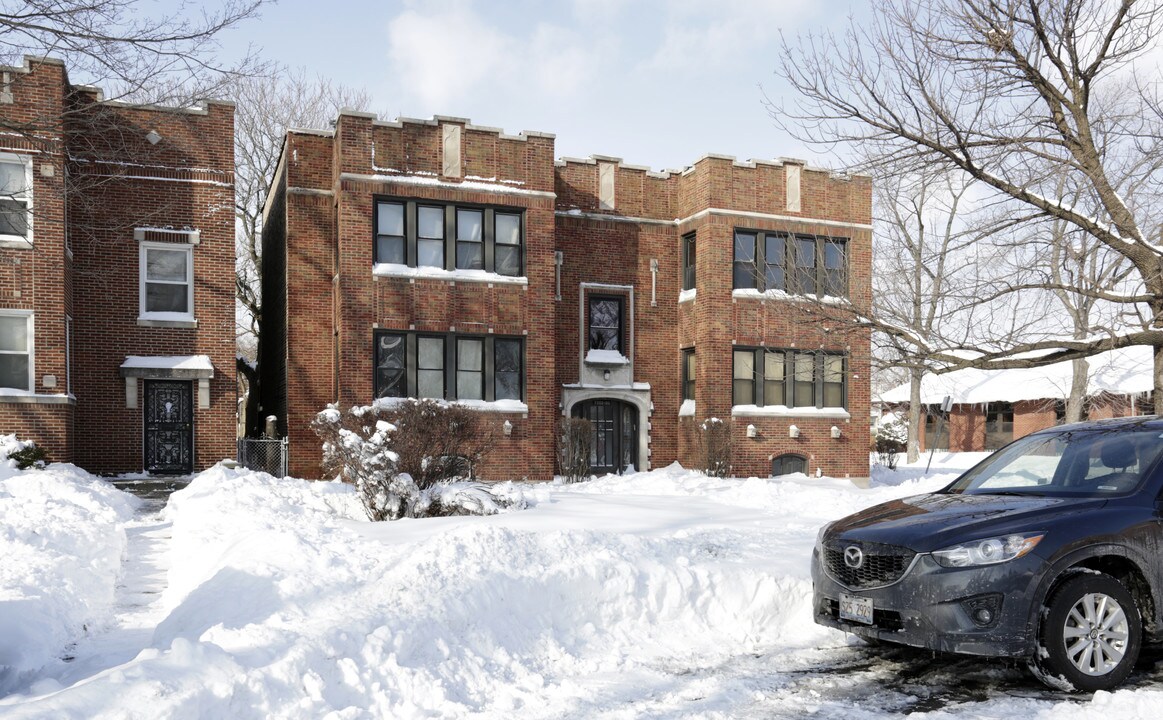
(169, 427)
(614, 448)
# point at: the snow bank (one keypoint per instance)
(61, 545)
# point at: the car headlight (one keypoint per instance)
(989, 551)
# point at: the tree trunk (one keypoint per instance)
(915, 417)
(253, 423)
(1157, 396)
(1079, 383)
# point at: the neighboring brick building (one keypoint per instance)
(116, 276)
(991, 408)
(437, 258)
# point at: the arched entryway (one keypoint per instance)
(614, 447)
(788, 464)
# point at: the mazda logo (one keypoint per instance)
(853, 557)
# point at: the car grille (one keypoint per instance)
(883, 564)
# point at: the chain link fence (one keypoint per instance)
(267, 455)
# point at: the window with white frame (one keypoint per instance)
(167, 281)
(15, 198)
(16, 351)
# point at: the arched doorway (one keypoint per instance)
(788, 464)
(614, 447)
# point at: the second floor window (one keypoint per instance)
(688, 374)
(449, 237)
(688, 261)
(606, 323)
(796, 264)
(167, 279)
(15, 198)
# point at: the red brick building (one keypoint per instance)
(435, 258)
(116, 276)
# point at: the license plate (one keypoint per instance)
(856, 608)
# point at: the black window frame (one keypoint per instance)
(621, 301)
(786, 459)
(687, 368)
(488, 241)
(451, 365)
(759, 379)
(798, 278)
(688, 261)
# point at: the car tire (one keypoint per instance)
(1089, 636)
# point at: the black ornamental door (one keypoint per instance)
(614, 444)
(169, 427)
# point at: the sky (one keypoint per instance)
(657, 83)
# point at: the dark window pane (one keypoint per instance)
(390, 377)
(605, 324)
(390, 219)
(775, 255)
(13, 218)
(507, 369)
(469, 256)
(744, 275)
(806, 265)
(835, 268)
(166, 297)
(14, 371)
(688, 375)
(507, 260)
(688, 262)
(508, 229)
(744, 247)
(429, 223)
(390, 249)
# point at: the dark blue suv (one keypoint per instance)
(1050, 550)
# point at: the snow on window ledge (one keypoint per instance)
(167, 320)
(606, 357)
(781, 295)
(15, 242)
(497, 406)
(785, 411)
(686, 295)
(435, 273)
(687, 409)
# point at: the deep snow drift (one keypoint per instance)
(660, 594)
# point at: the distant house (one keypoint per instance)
(439, 259)
(116, 276)
(994, 407)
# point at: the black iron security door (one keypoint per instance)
(614, 447)
(169, 427)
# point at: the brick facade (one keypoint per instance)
(593, 229)
(137, 176)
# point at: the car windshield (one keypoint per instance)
(1082, 462)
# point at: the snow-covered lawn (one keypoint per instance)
(661, 594)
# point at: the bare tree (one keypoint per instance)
(165, 57)
(266, 106)
(1015, 94)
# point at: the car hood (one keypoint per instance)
(929, 522)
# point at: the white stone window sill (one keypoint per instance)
(687, 295)
(12, 395)
(15, 242)
(785, 411)
(687, 409)
(435, 273)
(167, 320)
(609, 358)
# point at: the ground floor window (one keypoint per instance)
(999, 425)
(936, 429)
(792, 378)
(16, 351)
(788, 464)
(448, 367)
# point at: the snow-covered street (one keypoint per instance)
(665, 594)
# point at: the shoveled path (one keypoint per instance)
(138, 608)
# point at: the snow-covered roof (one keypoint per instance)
(1126, 371)
(168, 366)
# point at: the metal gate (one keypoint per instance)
(264, 454)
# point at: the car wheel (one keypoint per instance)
(1090, 635)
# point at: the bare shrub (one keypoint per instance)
(715, 447)
(573, 450)
(403, 457)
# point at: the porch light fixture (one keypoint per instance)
(793, 432)
(752, 431)
(507, 428)
(605, 374)
(835, 432)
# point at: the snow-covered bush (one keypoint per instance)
(574, 448)
(715, 447)
(891, 436)
(404, 456)
(29, 455)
